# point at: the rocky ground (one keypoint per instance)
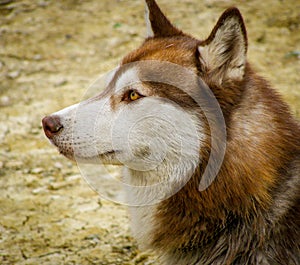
(50, 52)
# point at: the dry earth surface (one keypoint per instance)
(50, 51)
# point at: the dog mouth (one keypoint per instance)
(104, 157)
(75, 154)
(109, 152)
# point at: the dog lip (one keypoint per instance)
(74, 157)
(107, 153)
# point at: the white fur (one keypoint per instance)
(130, 77)
(87, 126)
(156, 140)
(81, 124)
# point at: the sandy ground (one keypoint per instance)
(50, 52)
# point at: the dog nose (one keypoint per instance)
(52, 126)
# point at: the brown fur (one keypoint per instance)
(242, 196)
(250, 213)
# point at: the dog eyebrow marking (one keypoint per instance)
(127, 78)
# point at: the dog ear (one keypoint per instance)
(157, 23)
(223, 53)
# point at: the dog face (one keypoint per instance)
(149, 115)
(132, 122)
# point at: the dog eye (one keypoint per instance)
(133, 95)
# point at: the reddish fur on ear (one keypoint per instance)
(161, 26)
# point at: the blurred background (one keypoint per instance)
(50, 52)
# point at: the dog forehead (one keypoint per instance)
(179, 50)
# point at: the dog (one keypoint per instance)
(211, 153)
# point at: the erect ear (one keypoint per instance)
(157, 23)
(223, 53)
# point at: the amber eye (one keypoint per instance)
(133, 95)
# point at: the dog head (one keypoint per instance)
(149, 113)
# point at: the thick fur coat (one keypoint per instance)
(250, 214)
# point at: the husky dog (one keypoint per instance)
(157, 118)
